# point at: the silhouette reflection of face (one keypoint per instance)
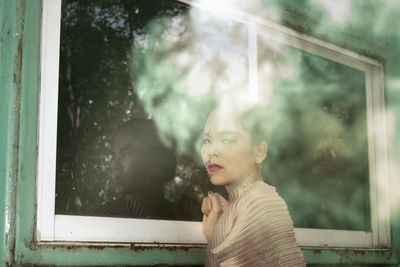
(128, 167)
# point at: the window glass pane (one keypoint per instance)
(136, 81)
(126, 142)
(318, 139)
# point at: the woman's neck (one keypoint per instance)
(238, 187)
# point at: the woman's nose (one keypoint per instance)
(214, 151)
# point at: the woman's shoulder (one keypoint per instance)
(262, 191)
(264, 188)
(263, 196)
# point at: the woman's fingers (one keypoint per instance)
(211, 219)
(213, 203)
(206, 206)
(209, 223)
(222, 201)
(203, 209)
(212, 207)
(216, 206)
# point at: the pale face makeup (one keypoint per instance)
(227, 150)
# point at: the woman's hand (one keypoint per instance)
(212, 207)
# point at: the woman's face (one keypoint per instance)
(227, 151)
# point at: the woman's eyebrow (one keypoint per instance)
(229, 132)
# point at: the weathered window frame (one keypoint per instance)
(60, 228)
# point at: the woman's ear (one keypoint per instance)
(261, 151)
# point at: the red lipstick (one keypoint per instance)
(213, 167)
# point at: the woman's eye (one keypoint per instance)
(229, 140)
(206, 141)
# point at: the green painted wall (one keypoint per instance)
(11, 16)
(19, 86)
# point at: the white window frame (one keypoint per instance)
(106, 230)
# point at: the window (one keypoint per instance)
(110, 62)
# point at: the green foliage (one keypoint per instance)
(318, 144)
(96, 94)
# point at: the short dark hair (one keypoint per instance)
(255, 121)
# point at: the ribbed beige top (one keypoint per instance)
(254, 230)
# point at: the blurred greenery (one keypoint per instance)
(317, 137)
(125, 59)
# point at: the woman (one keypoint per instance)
(252, 228)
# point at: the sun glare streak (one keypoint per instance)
(253, 77)
(223, 8)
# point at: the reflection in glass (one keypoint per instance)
(318, 138)
(104, 45)
(131, 61)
